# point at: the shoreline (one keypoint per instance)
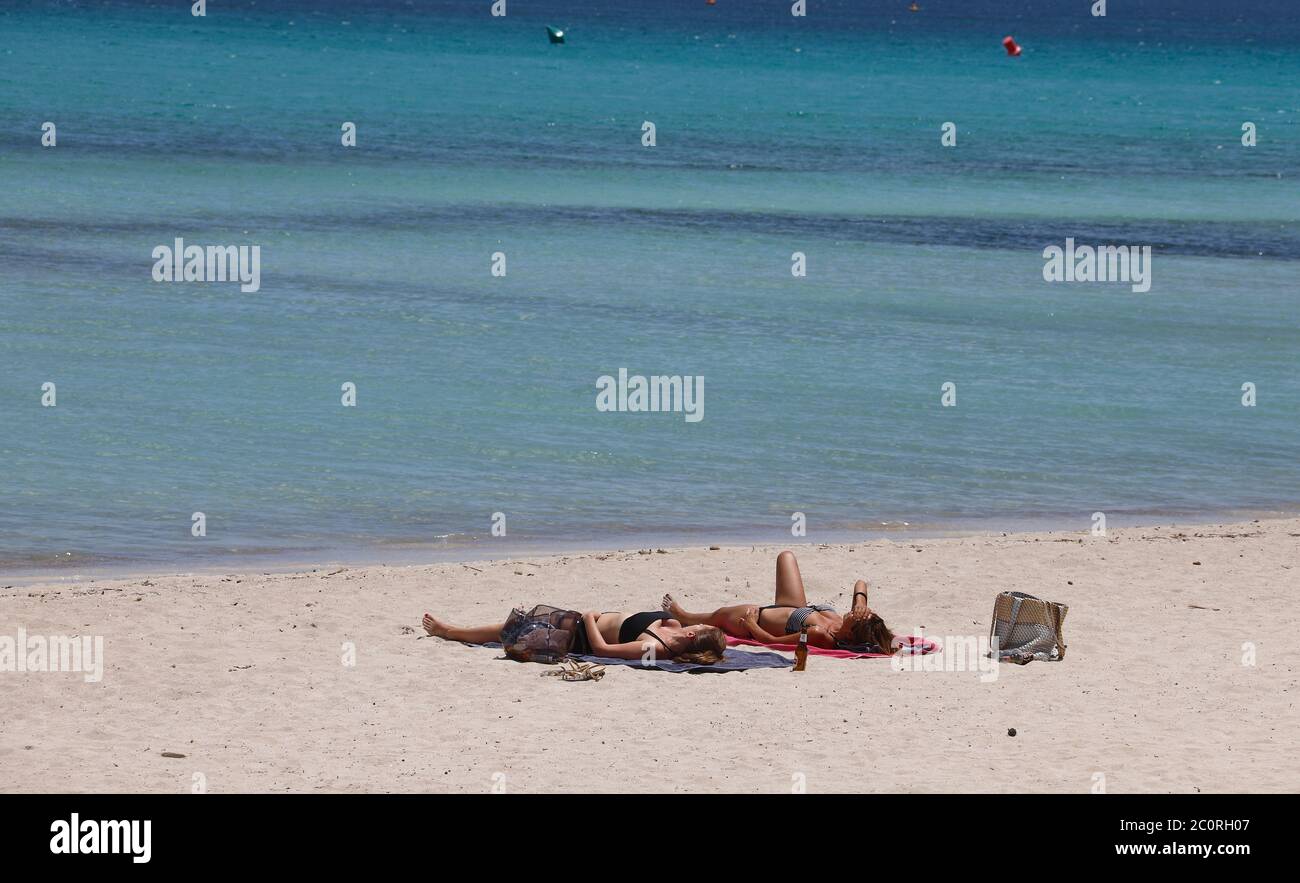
(475, 551)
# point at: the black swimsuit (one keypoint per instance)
(639, 623)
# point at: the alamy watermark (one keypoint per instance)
(213, 263)
(1103, 263)
(683, 394)
(959, 653)
(78, 836)
(22, 652)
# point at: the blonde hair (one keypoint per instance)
(705, 648)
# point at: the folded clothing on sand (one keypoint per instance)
(909, 645)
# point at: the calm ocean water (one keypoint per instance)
(476, 394)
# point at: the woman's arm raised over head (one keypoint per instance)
(860, 595)
(601, 647)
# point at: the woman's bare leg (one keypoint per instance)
(726, 618)
(482, 634)
(789, 584)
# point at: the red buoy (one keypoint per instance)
(1011, 46)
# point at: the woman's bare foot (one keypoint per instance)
(434, 627)
(670, 605)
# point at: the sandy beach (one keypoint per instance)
(244, 675)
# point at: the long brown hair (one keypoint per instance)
(871, 629)
(705, 648)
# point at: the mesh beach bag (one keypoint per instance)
(1027, 628)
(543, 634)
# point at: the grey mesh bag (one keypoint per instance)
(544, 634)
(1027, 629)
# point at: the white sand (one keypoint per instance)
(244, 676)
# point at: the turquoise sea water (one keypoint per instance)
(476, 394)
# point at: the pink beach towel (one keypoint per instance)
(909, 645)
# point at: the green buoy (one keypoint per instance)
(556, 35)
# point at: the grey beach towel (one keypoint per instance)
(732, 660)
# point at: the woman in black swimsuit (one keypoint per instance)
(780, 623)
(615, 635)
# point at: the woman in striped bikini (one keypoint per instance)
(780, 623)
